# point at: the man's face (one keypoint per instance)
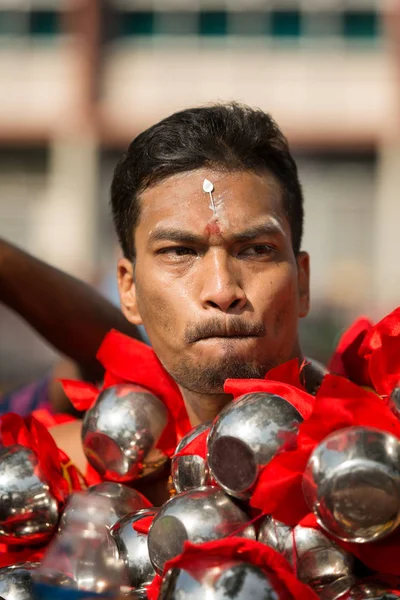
(218, 291)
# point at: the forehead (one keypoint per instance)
(181, 201)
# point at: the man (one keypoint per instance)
(208, 208)
(217, 279)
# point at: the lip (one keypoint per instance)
(227, 337)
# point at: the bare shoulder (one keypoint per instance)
(68, 437)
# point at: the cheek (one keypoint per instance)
(285, 319)
(282, 297)
(155, 308)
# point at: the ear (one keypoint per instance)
(303, 282)
(127, 291)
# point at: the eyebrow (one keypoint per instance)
(270, 228)
(183, 236)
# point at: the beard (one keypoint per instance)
(210, 379)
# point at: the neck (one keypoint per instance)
(203, 407)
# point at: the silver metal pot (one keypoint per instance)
(132, 547)
(235, 580)
(190, 471)
(199, 515)
(120, 433)
(245, 436)
(352, 484)
(28, 510)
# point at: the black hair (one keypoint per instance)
(230, 137)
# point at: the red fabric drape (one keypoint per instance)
(287, 586)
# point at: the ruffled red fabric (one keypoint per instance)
(346, 360)
(288, 372)
(143, 525)
(338, 404)
(198, 446)
(283, 381)
(277, 569)
(381, 556)
(369, 354)
(81, 394)
(279, 487)
(50, 419)
(381, 351)
(92, 477)
(11, 556)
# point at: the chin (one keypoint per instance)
(209, 378)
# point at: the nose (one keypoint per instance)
(222, 289)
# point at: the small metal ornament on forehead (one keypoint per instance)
(213, 227)
(208, 188)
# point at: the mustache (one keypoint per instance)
(234, 327)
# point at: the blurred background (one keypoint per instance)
(80, 78)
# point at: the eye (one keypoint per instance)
(175, 251)
(258, 250)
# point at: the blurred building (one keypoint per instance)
(80, 78)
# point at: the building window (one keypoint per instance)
(283, 25)
(34, 23)
(286, 24)
(136, 23)
(213, 23)
(360, 25)
(44, 23)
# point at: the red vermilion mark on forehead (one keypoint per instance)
(212, 228)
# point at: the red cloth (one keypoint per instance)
(288, 372)
(381, 350)
(92, 477)
(276, 568)
(346, 360)
(283, 381)
(12, 555)
(143, 525)
(369, 355)
(198, 446)
(50, 419)
(81, 394)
